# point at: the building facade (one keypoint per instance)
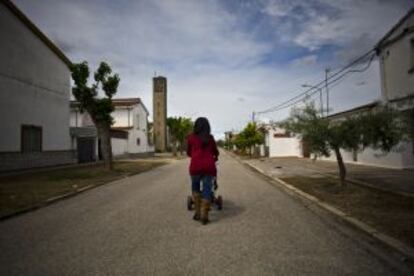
(396, 55)
(396, 58)
(279, 143)
(160, 113)
(34, 95)
(129, 133)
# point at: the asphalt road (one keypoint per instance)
(140, 226)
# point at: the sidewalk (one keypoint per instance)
(386, 216)
(391, 180)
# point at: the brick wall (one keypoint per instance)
(18, 161)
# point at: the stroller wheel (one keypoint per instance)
(189, 203)
(219, 203)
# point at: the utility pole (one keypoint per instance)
(253, 115)
(320, 95)
(327, 91)
(321, 99)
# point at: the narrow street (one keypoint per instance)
(140, 226)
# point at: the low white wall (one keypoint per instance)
(119, 146)
(284, 146)
(401, 159)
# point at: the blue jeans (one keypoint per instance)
(207, 181)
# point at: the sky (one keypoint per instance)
(224, 59)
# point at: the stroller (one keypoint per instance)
(215, 200)
(218, 201)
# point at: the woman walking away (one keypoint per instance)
(202, 149)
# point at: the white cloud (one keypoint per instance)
(212, 63)
(305, 61)
(354, 25)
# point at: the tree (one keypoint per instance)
(248, 137)
(381, 129)
(98, 108)
(186, 127)
(174, 125)
(179, 128)
(221, 143)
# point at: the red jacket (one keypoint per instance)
(203, 160)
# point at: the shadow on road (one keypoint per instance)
(230, 209)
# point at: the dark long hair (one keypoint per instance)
(202, 130)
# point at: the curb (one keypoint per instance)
(388, 241)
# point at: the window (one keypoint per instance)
(31, 138)
(138, 141)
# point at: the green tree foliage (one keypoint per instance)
(98, 108)
(381, 129)
(179, 128)
(248, 137)
(221, 143)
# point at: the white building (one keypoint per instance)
(279, 143)
(402, 157)
(129, 133)
(34, 95)
(396, 54)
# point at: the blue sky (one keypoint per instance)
(223, 59)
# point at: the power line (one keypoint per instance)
(300, 95)
(316, 88)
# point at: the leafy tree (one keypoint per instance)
(248, 137)
(179, 128)
(98, 108)
(185, 130)
(221, 143)
(174, 125)
(381, 129)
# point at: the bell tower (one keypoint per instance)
(160, 113)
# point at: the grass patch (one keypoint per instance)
(389, 213)
(20, 192)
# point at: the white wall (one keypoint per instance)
(283, 146)
(395, 62)
(137, 121)
(139, 130)
(401, 159)
(121, 118)
(34, 87)
(119, 146)
(74, 118)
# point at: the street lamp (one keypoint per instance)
(320, 94)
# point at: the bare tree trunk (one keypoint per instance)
(106, 147)
(341, 166)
